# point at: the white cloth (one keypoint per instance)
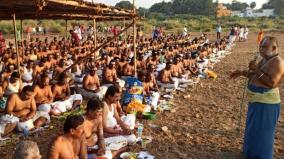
(241, 33)
(155, 99)
(120, 82)
(63, 106)
(5, 119)
(129, 120)
(27, 75)
(168, 85)
(87, 94)
(107, 155)
(29, 124)
(117, 142)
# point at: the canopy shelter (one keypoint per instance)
(60, 9)
(68, 10)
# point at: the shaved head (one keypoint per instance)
(268, 46)
(270, 40)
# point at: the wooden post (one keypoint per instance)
(95, 35)
(125, 35)
(66, 27)
(16, 41)
(22, 39)
(134, 41)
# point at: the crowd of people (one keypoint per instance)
(42, 87)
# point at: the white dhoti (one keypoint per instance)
(168, 85)
(29, 124)
(119, 81)
(89, 95)
(155, 99)
(63, 106)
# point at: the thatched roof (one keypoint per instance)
(61, 9)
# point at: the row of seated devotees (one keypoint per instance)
(28, 99)
(84, 135)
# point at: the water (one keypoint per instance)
(26, 132)
(139, 132)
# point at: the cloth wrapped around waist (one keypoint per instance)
(263, 95)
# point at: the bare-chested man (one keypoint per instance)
(264, 100)
(43, 94)
(60, 68)
(110, 75)
(178, 73)
(39, 69)
(64, 101)
(91, 86)
(72, 144)
(21, 108)
(165, 77)
(93, 128)
(128, 70)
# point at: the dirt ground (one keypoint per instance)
(205, 126)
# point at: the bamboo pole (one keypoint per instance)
(95, 35)
(22, 39)
(134, 41)
(96, 49)
(126, 31)
(16, 41)
(66, 27)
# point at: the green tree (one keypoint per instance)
(163, 7)
(278, 5)
(142, 11)
(238, 6)
(252, 5)
(267, 6)
(124, 4)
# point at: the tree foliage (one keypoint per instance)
(278, 5)
(193, 7)
(252, 5)
(124, 4)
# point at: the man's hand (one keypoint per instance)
(126, 131)
(24, 118)
(97, 90)
(253, 65)
(101, 151)
(236, 74)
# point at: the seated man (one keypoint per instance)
(91, 86)
(39, 69)
(128, 70)
(27, 76)
(43, 94)
(12, 85)
(60, 68)
(178, 73)
(3, 100)
(93, 127)
(72, 144)
(61, 94)
(110, 76)
(150, 89)
(165, 78)
(112, 123)
(21, 108)
(27, 150)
